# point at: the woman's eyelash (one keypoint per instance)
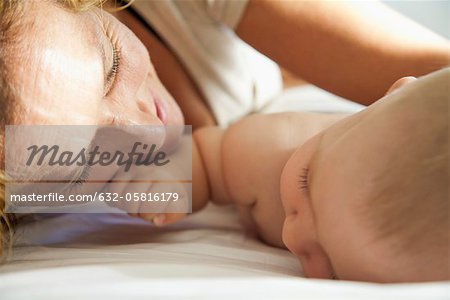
(303, 179)
(114, 69)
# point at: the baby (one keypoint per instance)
(365, 199)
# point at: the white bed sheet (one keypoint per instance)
(208, 255)
(203, 257)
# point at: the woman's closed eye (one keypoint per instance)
(112, 73)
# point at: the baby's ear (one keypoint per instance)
(316, 263)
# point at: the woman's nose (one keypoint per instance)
(145, 99)
(129, 115)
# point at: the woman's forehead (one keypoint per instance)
(64, 66)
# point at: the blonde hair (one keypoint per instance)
(10, 15)
(81, 5)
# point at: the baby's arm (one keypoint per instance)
(243, 165)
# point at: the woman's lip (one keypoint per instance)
(160, 111)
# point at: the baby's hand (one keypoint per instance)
(170, 203)
(161, 194)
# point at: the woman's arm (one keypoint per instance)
(353, 49)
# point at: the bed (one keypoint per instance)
(206, 256)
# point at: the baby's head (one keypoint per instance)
(368, 198)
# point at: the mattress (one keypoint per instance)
(209, 255)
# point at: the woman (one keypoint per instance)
(66, 62)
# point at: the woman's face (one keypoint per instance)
(88, 68)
